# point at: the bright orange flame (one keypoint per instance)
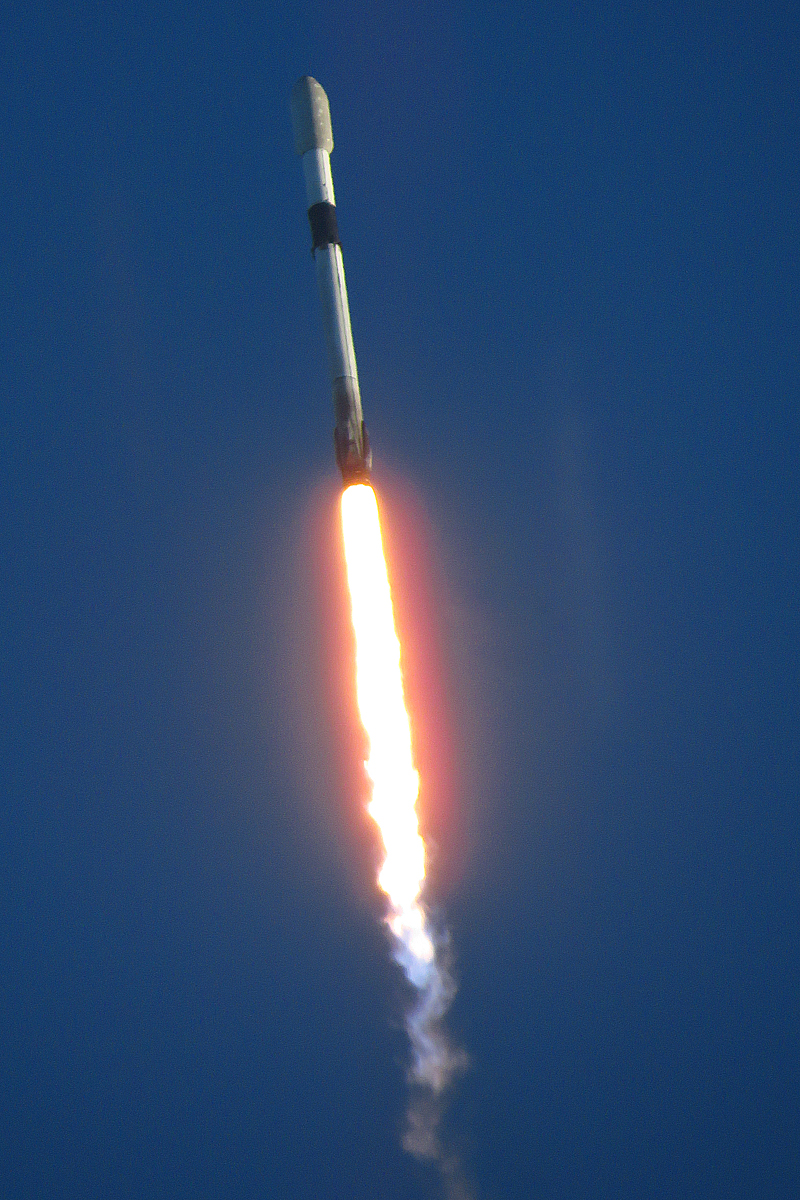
(381, 704)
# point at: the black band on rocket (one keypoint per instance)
(324, 230)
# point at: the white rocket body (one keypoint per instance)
(313, 138)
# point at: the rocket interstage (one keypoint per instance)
(313, 140)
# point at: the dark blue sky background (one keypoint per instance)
(571, 240)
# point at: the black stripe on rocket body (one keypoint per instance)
(324, 227)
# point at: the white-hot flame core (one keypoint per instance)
(381, 705)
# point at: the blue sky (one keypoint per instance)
(570, 236)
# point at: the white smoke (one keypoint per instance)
(436, 1062)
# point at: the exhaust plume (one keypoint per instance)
(422, 955)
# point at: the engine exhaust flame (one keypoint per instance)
(381, 705)
(395, 787)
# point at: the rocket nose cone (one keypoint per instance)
(311, 117)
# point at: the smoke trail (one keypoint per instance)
(436, 1064)
(395, 786)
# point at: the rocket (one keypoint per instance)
(313, 140)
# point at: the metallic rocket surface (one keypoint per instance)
(313, 140)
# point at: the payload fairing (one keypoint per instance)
(313, 139)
